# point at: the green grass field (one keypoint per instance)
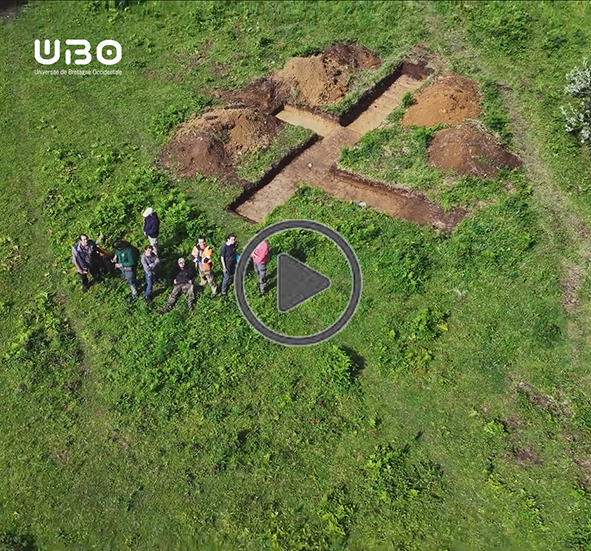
(453, 412)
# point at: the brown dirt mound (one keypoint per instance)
(450, 100)
(321, 79)
(265, 94)
(210, 143)
(469, 152)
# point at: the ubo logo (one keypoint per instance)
(81, 52)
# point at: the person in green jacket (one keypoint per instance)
(125, 258)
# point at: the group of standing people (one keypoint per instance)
(89, 257)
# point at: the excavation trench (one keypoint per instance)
(315, 165)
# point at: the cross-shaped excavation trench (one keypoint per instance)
(316, 165)
(261, 141)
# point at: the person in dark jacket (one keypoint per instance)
(229, 259)
(151, 227)
(149, 261)
(86, 259)
(126, 257)
(183, 277)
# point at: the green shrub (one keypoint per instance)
(336, 512)
(12, 541)
(410, 343)
(407, 100)
(336, 371)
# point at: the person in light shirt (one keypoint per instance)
(260, 258)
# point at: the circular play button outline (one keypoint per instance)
(356, 288)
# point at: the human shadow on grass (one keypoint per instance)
(357, 360)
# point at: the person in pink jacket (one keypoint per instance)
(260, 258)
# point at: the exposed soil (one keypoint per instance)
(525, 456)
(325, 78)
(265, 94)
(315, 80)
(319, 124)
(9, 9)
(380, 108)
(570, 287)
(451, 99)
(316, 166)
(548, 403)
(470, 152)
(210, 143)
(512, 424)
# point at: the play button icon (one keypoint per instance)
(297, 283)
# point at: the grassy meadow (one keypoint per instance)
(454, 410)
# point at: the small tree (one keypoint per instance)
(578, 117)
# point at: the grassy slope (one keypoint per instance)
(123, 429)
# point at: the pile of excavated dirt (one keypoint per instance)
(210, 143)
(470, 152)
(316, 80)
(450, 100)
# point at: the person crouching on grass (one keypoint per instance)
(183, 277)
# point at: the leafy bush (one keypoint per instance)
(578, 117)
(423, 136)
(410, 342)
(11, 541)
(407, 265)
(337, 513)
(336, 371)
(398, 480)
(407, 100)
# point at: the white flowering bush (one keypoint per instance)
(578, 116)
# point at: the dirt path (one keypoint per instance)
(315, 166)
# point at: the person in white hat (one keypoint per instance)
(152, 227)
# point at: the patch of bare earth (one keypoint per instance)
(470, 152)
(556, 408)
(322, 79)
(570, 286)
(525, 456)
(451, 99)
(512, 424)
(209, 144)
